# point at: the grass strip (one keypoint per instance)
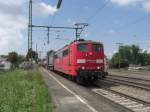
(24, 91)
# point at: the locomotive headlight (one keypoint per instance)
(99, 61)
(81, 61)
(83, 68)
(98, 68)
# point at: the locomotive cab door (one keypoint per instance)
(82, 54)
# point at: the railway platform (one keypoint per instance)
(68, 96)
(63, 98)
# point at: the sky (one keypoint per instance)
(110, 22)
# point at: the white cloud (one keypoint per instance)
(12, 24)
(86, 34)
(145, 50)
(146, 6)
(125, 2)
(44, 9)
(148, 50)
(11, 2)
(115, 51)
(111, 31)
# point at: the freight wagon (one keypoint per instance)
(50, 60)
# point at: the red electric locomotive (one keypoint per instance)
(81, 60)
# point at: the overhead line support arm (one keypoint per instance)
(55, 27)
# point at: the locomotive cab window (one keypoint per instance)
(66, 52)
(82, 47)
(97, 47)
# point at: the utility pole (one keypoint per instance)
(40, 53)
(30, 28)
(119, 44)
(48, 41)
(36, 48)
(79, 27)
(36, 52)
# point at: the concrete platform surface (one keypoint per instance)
(68, 96)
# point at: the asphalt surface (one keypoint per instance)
(70, 97)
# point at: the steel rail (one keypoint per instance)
(134, 78)
(133, 84)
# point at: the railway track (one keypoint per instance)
(132, 104)
(129, 81)
(134, 72)
(129, 102)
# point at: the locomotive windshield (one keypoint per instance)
(97, 47)
(82, 47)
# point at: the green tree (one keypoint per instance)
(135, 54)
(145, 58)
(13, 58)
(21, 58)
(32, 54)
(125, 53)
(128, 55)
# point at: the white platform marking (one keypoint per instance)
(73, 93)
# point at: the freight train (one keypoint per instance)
(81, 60)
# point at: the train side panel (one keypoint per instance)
(58, 61)
(72, 62)
(65, 61)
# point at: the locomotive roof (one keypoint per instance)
(87, 41)
(80, 41)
